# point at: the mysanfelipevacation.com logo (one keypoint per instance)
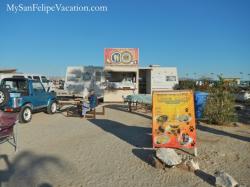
(50, 8)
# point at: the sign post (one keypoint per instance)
(174, 119)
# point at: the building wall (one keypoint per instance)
(3, 71)
(161, 76)
(116, 95)
(121, 68)
(232, 80)
(148, 81)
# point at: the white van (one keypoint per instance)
(43, 79)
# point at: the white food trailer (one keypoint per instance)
(121, 73)
(156, 78)
(81, 79)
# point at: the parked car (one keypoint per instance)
(43, 79)
(25, 96)
(242, 96)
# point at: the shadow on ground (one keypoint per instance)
(222, 133)
(124, 108)
(69, 109)
(134, 135)
(145, 155)
(210, 179)
(24, 169)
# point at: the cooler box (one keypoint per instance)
(200, 99)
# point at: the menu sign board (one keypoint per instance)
(173, 119)
(121, 56)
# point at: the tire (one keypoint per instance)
(4, 97)
(25, 114)
(51, 109)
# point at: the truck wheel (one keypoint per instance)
(51, 109)
(25, 115)
(4, 96)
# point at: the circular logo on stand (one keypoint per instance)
(116, 57)
(126, 57)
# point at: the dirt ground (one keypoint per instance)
(114, 150)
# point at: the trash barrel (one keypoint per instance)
(200, 99)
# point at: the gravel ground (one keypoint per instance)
(114, 150)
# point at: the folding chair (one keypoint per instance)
(7, 123)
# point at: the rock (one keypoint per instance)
(222, 154)
(223, 179)
(189, 165)
(193, 165)
(168, 156)
(155, 162)
(186, 157)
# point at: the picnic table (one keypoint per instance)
(81, 108)
(137, 101)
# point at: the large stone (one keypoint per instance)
(189, 164)
(223, 179)
(168, 156)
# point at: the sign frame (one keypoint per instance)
(173, 119)
(121, 56)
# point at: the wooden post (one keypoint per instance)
(94, 114)
(129, 106)
(67, 112)
(103, 109)
(195, 151)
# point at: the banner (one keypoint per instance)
(173, 119)
(121, 56)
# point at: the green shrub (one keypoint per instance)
(185, 84)
(220, 104)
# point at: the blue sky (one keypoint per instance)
(196, 36)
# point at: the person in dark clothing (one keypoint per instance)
(93, 101)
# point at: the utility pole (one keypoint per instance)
(195, 75)
(212, 76)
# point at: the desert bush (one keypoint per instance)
(193, 85)
(185, 84)
(220, 104)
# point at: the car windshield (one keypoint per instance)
(36, 78)
(16, 85)
(44, 79)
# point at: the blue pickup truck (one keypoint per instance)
(25, 96)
